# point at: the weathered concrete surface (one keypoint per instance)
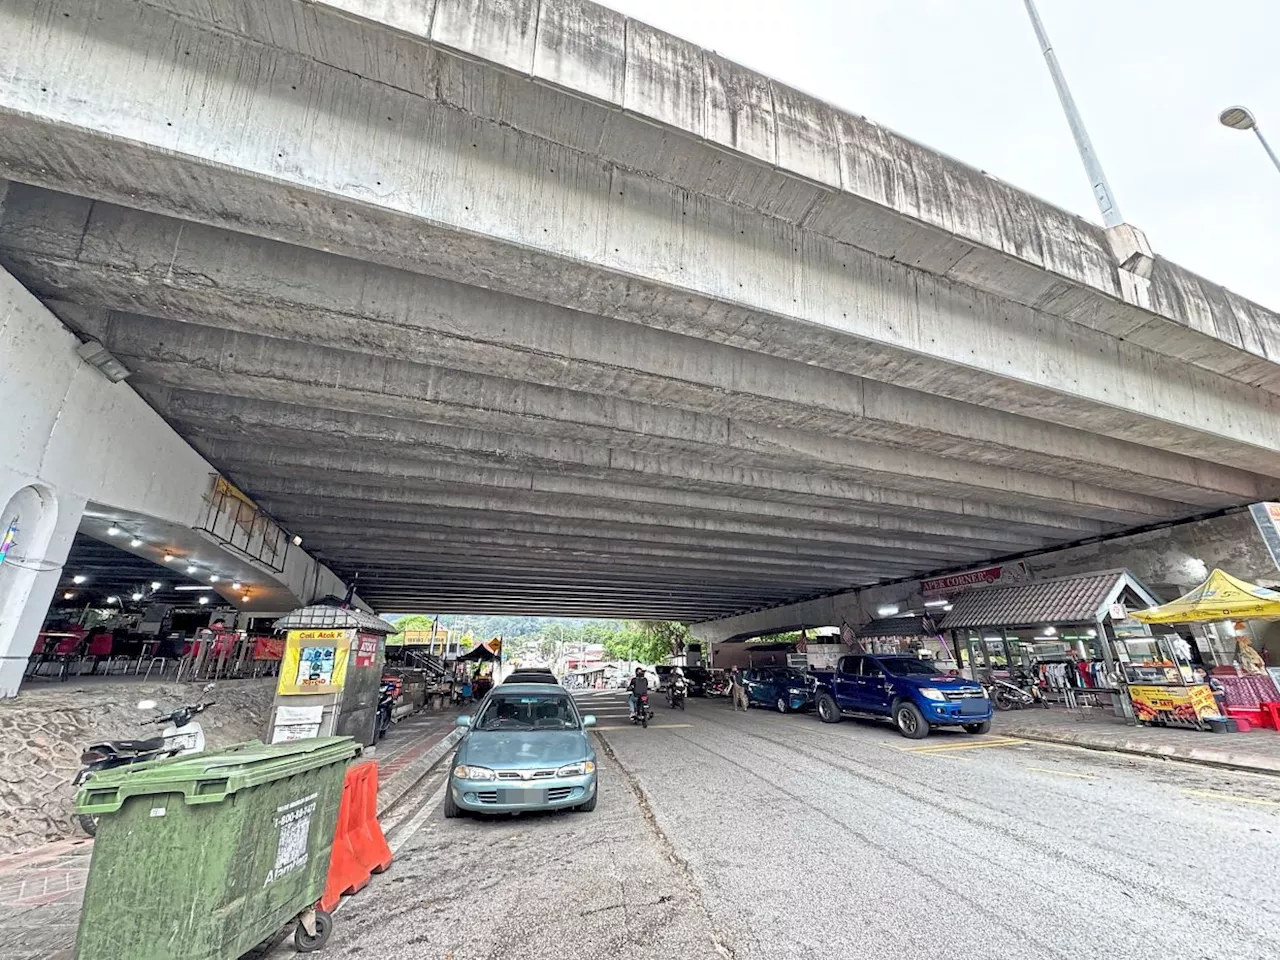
(537, 284)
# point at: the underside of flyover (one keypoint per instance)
(503, 412)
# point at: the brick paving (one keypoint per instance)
(41, 888)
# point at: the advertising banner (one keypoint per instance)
(1180, 706)
(315, 661)
(997, 576)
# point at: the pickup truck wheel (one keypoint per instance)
(781, 704)
(983, 727)
(911, 722)
(828, 710)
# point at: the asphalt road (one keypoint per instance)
(763, 836)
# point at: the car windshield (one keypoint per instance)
(793, 677)
(528, 712)
(909, 666)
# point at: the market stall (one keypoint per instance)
(910, 634)
(1067, 636)
(1248, 690)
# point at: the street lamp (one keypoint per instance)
(1239, 118)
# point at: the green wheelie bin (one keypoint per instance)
(205, 856)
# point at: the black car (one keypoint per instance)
(697, 678)
(531, 676)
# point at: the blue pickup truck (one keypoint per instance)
(909, 691)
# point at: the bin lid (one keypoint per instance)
(212, 776)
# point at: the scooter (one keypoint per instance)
(644, 712)
(181, 735)
(1013, 696)
(677, 691)
(386, 701)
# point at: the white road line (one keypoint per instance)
(405, 833)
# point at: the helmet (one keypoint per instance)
(679, 672)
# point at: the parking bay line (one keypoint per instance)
(1232, 798)
(947, 748)
(652, 726)
(1065, 773)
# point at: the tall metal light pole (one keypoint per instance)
(1239, 118)
(1097, 179)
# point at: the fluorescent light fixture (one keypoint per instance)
(191, 568)
(187, 586)
(935, 603)
(297, 541)
(135, 542)
(949, 606)
(79, 578)
(113, 599)
(245, 598)
(168, 558)
(137, 596)
(203, 601)
(236, 585)
(155, 584)
(1050, 631)
(68, 595)
(888, 610)
(113, 531)
(96, 355)
(1091, 633)
(213, 578)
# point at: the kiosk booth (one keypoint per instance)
(330, 674)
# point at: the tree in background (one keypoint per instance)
(647, 641)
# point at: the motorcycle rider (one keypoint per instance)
(639, 686)
(678, 687)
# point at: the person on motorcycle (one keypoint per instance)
(639, 686)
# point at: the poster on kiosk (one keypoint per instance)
(328, 685)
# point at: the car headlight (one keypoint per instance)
(932, 693)
(464, 772)
(576, 769)
(797, 691)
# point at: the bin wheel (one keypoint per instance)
(88, 823)
(305, 942)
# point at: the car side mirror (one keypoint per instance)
(588, 721)
(464, 721)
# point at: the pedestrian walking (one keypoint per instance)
(737, 690)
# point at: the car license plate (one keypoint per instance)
(974, 707)
(524, 795)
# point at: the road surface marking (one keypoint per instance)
(1065, 773)
(404, 834)
(652, 726)
(947, 748)
(1231, 797)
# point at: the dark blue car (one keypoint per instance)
(911, 692)
(780, 688)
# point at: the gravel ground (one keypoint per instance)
(762, 836)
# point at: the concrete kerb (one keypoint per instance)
(388, 799)
(1249, 763)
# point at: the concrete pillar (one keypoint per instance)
(44, 524)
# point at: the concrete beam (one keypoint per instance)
(434, 170)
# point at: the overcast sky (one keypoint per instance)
(967, 78)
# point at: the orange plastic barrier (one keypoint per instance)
(359, 848)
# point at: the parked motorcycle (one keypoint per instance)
(677, 692)
(1006, 695)
(386, 702)
(644, 712)
(181, 735)
(717, 687)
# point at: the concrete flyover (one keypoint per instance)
(526, 306)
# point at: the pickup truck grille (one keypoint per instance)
(957, 695)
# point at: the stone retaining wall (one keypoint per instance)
(44, 730)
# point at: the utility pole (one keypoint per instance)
(1097, 179)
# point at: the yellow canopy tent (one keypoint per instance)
(1221, 597)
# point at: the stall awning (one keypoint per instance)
(1221, 597)
(321, 616)
(1079, 599)
(481, 654)
(898, 627)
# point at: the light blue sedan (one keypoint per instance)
(526, 749)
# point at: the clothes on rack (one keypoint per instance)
(1073, 674)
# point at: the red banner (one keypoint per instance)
(1007, 573)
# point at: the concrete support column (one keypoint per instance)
(42, 524)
